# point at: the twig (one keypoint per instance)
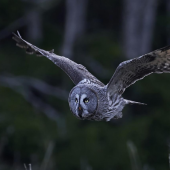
(29, 167)
(47, 155)
(25, 167)
(133, 156)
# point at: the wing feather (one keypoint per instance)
(76, 72)
(130, 71)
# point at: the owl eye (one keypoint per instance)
(76, 100)
(86, 100)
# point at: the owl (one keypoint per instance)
(90, 99)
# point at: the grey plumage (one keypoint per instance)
(128, 72)
(92, 100)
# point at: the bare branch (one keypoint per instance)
(25, 167)
(16, 81)
(47, 155)
(133, 156)
(29, 167)
(21, 86)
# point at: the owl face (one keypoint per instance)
(83, 102)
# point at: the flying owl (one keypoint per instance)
(90, 99)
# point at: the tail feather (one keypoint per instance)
(133, 102)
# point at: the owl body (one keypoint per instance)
(90, 101)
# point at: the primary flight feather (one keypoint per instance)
(92, 100)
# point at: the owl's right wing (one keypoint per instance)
(130, 71)
(76, 72)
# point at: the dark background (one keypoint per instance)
(36, 125)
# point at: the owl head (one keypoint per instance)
(83, 102)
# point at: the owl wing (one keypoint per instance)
(76, 72)
(128, 72)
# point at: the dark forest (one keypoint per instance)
(36, 124)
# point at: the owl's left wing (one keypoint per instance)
(76, 72)
(128, 72)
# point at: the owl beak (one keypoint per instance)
(80, 111)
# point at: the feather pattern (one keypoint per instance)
(128, 72)
(76, 72)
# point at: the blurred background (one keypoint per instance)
(36, 125)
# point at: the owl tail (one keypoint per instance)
(133, 102)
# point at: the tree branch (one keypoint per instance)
(22, 86)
